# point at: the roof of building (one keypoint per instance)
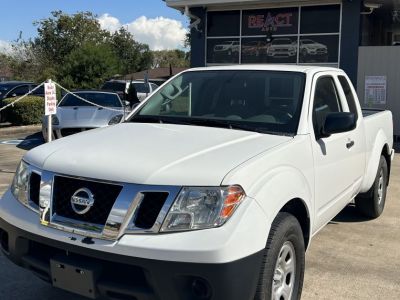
(154, 74)
(180, 4)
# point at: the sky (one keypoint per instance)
(150, 21)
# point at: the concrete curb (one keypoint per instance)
(19, 130)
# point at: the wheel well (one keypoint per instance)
(298, 209)
(386, 154)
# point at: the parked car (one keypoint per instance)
(228, 47)
(255, 48)
(212, 189)
(74, 115)
(122, 87)
(282, 47)
(310, 49)
(10, 89)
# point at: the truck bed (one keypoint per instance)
(371, 111)
(378, 127)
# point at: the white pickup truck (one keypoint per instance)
(212, 189)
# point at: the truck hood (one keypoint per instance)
(157, 154)
(85, 116)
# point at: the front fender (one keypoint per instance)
(279, 186)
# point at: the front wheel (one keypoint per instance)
(372, 203)
(282, 269)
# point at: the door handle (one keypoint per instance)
(350, 144)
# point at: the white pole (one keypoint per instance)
(49, 125)
(49, 129)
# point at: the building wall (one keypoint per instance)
(381, 61)
(351, 37)
(198, 39)
(349, 43)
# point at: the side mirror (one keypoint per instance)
(338, 122)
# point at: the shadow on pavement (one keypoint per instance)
(349, 214)
(31, 141)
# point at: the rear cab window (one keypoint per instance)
(351, 101)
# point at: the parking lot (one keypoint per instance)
(351, 258)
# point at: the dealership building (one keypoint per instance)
(361, 37)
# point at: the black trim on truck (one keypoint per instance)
(120, 277)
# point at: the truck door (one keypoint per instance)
(338, 159)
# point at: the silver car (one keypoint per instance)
(75, 115)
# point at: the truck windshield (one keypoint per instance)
(261, 101)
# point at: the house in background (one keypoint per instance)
(157, 75)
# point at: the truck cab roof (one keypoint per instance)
(270, 67)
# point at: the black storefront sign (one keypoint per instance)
(277, 21)
(232, 39)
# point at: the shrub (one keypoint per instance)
(28, 111)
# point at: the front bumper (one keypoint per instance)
(127, 277)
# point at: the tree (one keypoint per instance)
(132, 56)
(165, 58)
(88, 66)
(61, 33)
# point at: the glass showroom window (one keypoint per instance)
(223, 37)
(302, 35)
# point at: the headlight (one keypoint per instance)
(115, 120)
(19, 187)
(54, 120)
(200, 208)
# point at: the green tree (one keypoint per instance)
(88, 66)
(132, 56)
(61, 33)
(61, 36)
(165, 58)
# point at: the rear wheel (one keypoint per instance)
(282, 269)
(372, 203)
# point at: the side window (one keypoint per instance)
(19, 91)
(326, 100)
(349, 95)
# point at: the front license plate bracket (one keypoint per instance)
(75, 275)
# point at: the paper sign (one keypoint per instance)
(50, 99)
(375, 90)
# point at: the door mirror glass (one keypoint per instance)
(338, 122)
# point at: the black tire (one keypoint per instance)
(372, 203)
(284, 229)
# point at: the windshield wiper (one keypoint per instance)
(210, 123)
(229, 125)
(157, 119)
(207, 123)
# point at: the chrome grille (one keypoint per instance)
(105, 195)
(118, 208)
(34, 188)
(149, 209)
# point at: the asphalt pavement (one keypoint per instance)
(351, 258)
